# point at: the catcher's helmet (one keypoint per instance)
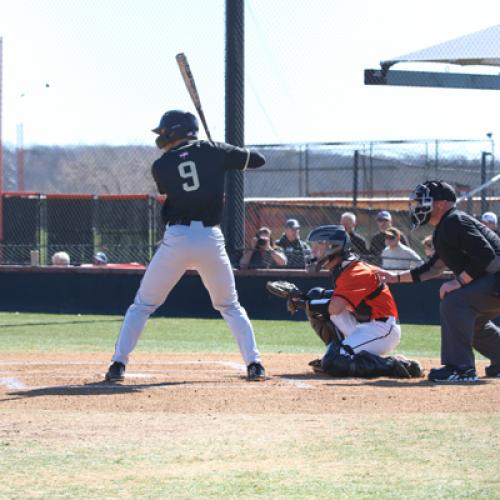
(177, 124)
(422, 198)
(328, 242)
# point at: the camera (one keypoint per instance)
(262, 242)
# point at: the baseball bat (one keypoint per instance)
(188, 78)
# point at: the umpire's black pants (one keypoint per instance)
(466, 323)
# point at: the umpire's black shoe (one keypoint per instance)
(493, 371)
(116, 372)
(450, 374)
(255, 372)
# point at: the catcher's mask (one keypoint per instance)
(176, 124)
(328, 242)
(423, 197)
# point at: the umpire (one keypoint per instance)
(469, 302)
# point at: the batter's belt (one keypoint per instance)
(187, 222)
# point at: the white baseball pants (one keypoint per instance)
(376, 337)
(188, 247)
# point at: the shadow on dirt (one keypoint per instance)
(91, 389)
(403, 383)
(376, 382)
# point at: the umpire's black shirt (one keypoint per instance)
(463, 244)
(192, 176)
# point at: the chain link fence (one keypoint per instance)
(317, 183)
(125, 227)
(313, 183)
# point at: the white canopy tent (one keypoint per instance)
(481, 48)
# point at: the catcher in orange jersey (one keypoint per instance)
(357, 320)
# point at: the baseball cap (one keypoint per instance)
(440, 190)
(292, 223)
(490, 217)
(100, 258)
(392, 232)
(384, 215)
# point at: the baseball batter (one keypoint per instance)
(191, 173)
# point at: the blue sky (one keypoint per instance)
(111, 69)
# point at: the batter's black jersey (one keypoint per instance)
(463, 244)
(192, 176)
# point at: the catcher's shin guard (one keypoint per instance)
(367, 365)
(334, 363)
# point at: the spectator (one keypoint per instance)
(428, 246)
(396, 255)
(377, 243)
(348, 220)
(100, 260)
(490, 219)
(61, 259)
(297, 251)
(263, 254)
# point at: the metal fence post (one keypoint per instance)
(301, 171)
(234, 216)
(355, 178)
(484, 200)
(306, 165)
(42, 235)
(436, 158)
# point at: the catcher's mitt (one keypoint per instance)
(284, 290)
(294, 296)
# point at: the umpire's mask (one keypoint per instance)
(422, 198)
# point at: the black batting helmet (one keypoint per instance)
(177, 124)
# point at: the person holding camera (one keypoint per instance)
(297, 251)
(263, 254)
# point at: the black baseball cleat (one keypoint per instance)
(116, 372)
(493, 371)
(315, 364)
(255, 372)
(450, 374)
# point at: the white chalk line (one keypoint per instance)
(231, 364)
(147, 373)
(234, 365)
(299, 384)
(11, 383)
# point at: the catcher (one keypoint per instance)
(357, 320)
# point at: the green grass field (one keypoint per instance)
(59, 333)
(85, 444)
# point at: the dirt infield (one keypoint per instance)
(203, 383)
